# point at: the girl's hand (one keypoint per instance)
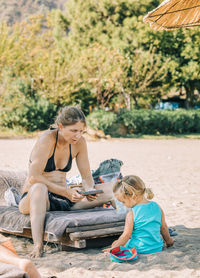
(114, 244)
(170, 242)
(74, 196)
(107, 250)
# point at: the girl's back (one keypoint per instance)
(146, 235)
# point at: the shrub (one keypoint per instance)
(100, 119)
(32, 115)
(23, 107)
(146, 122)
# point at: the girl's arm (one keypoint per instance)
(165, 231)
(128, 228)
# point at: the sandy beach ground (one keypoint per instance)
(171, 168)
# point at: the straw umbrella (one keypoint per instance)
(172, 14)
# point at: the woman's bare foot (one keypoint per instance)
(37, 252)
(28, 267)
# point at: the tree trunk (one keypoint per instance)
(190, 98)
(135, 100)
(98, 95)
(127, 100)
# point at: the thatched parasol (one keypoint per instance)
(172, 14)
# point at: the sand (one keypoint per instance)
(171, 168)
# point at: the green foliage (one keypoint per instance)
(27, 109)
(146, 122)
(100, 70)
(108, 22)
(144, 74)
(183, 48)
(160, 122)
(118, 24)
(33, 115)
(84, 99)
(100, 119)
(97, 54)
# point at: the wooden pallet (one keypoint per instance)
(77, 238)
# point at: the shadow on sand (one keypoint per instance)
(184, 254)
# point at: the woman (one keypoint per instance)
(50, 160)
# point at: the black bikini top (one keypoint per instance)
(50, 166)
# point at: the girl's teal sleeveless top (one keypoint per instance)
(146, 235)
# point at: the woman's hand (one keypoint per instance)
(74, 196)
(91, 198)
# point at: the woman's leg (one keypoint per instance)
(36, 204)
(101, 199)
(8, 257)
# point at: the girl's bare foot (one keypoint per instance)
(28, 267)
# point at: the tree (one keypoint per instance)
(110, 23)
(143, 77)
(114, 25)
(183, 48)
(100, 70)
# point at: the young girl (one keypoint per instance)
(8, 255)
(145, 222)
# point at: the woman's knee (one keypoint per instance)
(37, 194)
(24, 209)
(24, 205)
(38, 190)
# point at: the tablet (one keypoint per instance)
(91, 192)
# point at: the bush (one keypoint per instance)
(33, 115)
(101, 119)
(146, 122)
(23, 107)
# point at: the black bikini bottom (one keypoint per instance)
(56, 201)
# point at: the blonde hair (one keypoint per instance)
(132, 185)
(70, 115)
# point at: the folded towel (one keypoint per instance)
(12, 197)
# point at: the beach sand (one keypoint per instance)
(171, 168)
